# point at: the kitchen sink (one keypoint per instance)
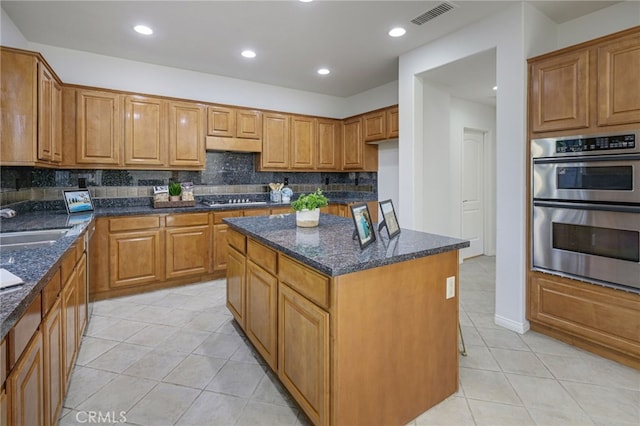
(30, 239)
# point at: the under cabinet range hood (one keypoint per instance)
(217, 143)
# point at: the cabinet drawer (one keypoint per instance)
(192, 219)
(50, 292)
(262, 256)
(218, 216)
(306, 281)
(22, 332)
(237, 241)
(136, 222)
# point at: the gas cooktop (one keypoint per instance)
(233, 201)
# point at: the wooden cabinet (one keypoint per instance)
(236, 284)
(83, 297)
(234, 122)
(98, 127)
(54, 383)
(303, 142)
(187, 245)
(49, 116)
(135, 256)
(145, 131)
(5, 408)
(560, 92)
(275, 141)
(262, 304)
(70, 323)
(352, 144)
(590, 316)
(618, 82)
(220, 230)
(26, 386)
(329, 145)
(31, 117)
(393, 123)
(582, 88)
(303, 353)
(344, 210)
(375, 126)
(186, 135)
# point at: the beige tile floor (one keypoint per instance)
(174, 357)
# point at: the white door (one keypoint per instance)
(472, 194)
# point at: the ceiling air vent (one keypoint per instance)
(433, 13)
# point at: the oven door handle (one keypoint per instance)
(635, 208)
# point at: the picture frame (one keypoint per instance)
(364, 232)
(389, 218)
(77, 201)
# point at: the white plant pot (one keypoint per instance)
(307, 218)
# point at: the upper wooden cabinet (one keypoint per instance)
(584, 87)
(31, 116)
(329, 144)
(145, 131)
(356, 154)
(234, 122)
(560, 92)
(186, 134)
(303, 142)
(618, 82)
(98, 127)
(275, 141)
(381, 124)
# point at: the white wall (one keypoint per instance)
(505, 33)
(471, 115)
(10, 35)
(378, 97)
(388, 172)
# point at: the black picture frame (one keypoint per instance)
(365, 232)
(389, 218)
(77, 201)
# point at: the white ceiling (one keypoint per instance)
(292, 39)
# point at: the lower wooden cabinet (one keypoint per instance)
(5, 404)
(26, 386)
(81, 288)
(236, 285)
(262, 310)
(220, 238)
(590, 316)
(54, 384)
(70, 323)
(303, 353)
(187, 251)
(135, 258)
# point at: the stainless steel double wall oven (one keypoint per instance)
(586, 208)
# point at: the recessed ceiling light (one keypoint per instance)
(248, 53)
(397, 32)
(306, 1)
(323, 71)
(143, 29)
(495, 88)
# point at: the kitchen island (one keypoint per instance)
(356, 336)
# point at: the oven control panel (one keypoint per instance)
(602, 143)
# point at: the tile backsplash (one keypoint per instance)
(225, 173)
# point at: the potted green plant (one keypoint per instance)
(175, 189)
(307, 208)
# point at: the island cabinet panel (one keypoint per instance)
(5, 408)
(236, 285)
(262, 312)
(560, 92)
(26, 386)
(618, 83)
(219, 258)
(99, 127)
(303, 353)
(410, 341)
(306, 281)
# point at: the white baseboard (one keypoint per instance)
(518, 327)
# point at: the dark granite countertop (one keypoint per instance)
(330, 249)
(34, 266)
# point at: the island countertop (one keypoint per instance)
(330, 247)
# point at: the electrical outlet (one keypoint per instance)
(451, 287)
